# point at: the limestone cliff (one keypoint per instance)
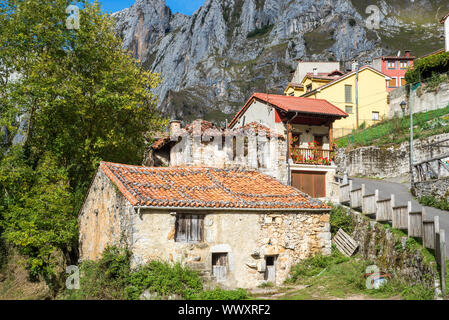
(212, 61)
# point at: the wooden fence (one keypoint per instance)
(416, 223)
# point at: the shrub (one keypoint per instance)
(104, 279)
(431, 201)
(314, 265)
(164, 279)
(341, 220)
(260, 31)
(424, 68)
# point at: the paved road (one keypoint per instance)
(402, 197)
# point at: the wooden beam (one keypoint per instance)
(290, 140)
(331, 136)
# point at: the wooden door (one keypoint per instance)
(220, 265)
(311, 183)
(270, 269)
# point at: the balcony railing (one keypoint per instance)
(312, 156)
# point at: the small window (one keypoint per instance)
(348, 109)
(391, 64)
(392, 83)
(403, 82)
(375, 116)
(189, 228)
(220, 266)
(404, 64)
(309, 88)
(348, 93)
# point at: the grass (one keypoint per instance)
(260, 32)
(340, 277)
(431, 201)
(397, 130)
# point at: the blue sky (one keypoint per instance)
(184, 6)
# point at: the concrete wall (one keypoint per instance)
(246, 237)
(422, 99)
(305, 67)
(386, 162)
(105, 219)
(372, 94)
(261, 113)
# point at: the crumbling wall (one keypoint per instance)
(105, 219)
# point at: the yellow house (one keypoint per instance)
(340, 90)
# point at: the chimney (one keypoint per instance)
(407, 53)
(355, 66)
(315, 71)
(175, 125)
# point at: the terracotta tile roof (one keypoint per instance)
(295, 85)
(185, 187)
(444, 18)
(294, 104)
(325, 75)
(335, 80)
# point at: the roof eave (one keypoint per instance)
(233, 209)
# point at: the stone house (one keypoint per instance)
(237, 227)
(307, 126)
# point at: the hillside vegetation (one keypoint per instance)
(397, 130)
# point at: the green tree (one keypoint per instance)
(85, 99)
(40, 220)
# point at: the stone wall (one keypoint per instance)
(436, 188)
(422, 99)
(247, 238)
(265, 154)
(391, 252)
(386, 162)
(105, 218)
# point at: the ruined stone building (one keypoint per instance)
(202, 144)
(239, 227)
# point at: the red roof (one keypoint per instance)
(186, 187)
(294, 104)
(444, 18)
(326, 75)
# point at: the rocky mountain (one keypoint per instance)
(212, 61)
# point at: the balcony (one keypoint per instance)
(313, 156)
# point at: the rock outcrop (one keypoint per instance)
(212, 61)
